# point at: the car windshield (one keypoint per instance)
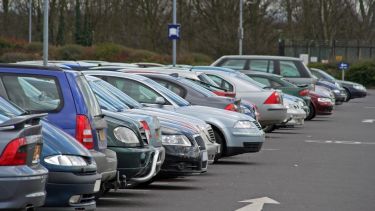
(197, 88)
(248, 79)
(89, 96)
(106, 99)
(326, 75)
(173, 96)
(124, 98)
(204, 78)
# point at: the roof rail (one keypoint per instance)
(32, 67)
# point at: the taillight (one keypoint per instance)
(231, 107)
(15, 153)
(84, 132)
(225, 94)
(304, 92)
(147, 129)
(273, 99)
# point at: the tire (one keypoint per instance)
(348, 95)
(312, 113)
(220, 140)
(269, 128)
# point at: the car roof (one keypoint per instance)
(262, 73)
(118, 74)
(261, 57)
(30, 67)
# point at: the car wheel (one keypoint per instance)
(312, 113)
(348, 95)
(220, 140)
(269, 128)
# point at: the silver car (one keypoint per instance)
(237, 133)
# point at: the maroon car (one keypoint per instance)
(320, 105)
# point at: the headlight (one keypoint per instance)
(179, 140)
(65, 160)
(336, 91)
(324, 100)
(359, 87)
(125, 135)
(244, 124)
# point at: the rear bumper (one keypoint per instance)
(183, 160)
(106, 161)
(61, 186)
(21, 191)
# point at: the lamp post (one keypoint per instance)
(45, 32)
(30, 19)
(240, 29)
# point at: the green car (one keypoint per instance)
(277, 82)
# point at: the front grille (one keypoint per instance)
(211, 134)
(200, 142)
(258, 125)
(143, 135)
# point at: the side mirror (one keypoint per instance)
(160, 100)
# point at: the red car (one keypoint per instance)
(320, 105)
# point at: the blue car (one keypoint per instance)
(72, 178)
(66, 96)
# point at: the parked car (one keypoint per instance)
(292, 69)
(321, 104)
(72, 177)
(22, 177)
(269, 102)
(339, 93)
(175, 136)
(352, 90)
(277, 82)
(71, 106)
(236, 133)
(193, 93)
(296, 111)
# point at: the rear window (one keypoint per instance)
(235, 64)
(36, 94)
(89, 97)
(261, 65)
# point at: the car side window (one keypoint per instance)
(173, 87)
(135, 89)
(236, 64)
(221, 82)
(275, 84)
(21, 92)
(261, 65)
(289, 69)
(262, 80)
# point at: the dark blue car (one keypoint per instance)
(71, 106)
(72, 178)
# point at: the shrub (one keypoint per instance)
(70, 52)
(34, 47)
(363, 73)
(110, 51)
(16, 57)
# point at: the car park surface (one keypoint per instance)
(326, 165)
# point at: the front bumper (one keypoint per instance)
(272, 114)
(181, 160)
(295, 117)
(21, 191)
(106, 161)
(61, 186)
(340, 97)
(324, 108)
(355, 93)
(212, 150)
(244, 141)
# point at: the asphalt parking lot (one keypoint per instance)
(325, 165)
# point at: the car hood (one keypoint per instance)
(327, 84)
(57, 142)
(347, 82)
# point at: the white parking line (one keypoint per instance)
(368, 121)
(270, 149)
(370, 107)
(340, 142)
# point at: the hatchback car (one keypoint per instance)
(72, 178)
(22, 177)
(71, 106)
(290, 68)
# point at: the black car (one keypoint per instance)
(352, 90)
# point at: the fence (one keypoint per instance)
(349, 51)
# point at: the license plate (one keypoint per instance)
(205, 156)
(101, 135)
(97, 185)
(36, 155)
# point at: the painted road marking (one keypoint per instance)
(340, 142)
(256, 204)
(370, 107)
(368, 121)
(270, 149)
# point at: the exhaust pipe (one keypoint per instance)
(152, 171)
